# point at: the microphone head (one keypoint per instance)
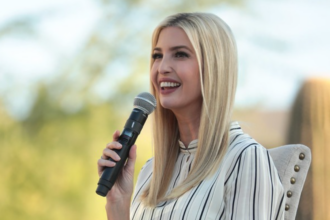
(145, 102)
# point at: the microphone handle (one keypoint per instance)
(126, 139)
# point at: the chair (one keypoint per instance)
(292, 163)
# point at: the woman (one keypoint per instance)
(204, 166)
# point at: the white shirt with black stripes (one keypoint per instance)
(246, 186)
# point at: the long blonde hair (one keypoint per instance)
(216, 52)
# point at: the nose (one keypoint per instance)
(165, 65)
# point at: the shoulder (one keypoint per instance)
(147, 164)
(146, 171)
(251, 178)
(241, 144)
(143, 179)
(244, 151)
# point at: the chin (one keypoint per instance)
(167, 104)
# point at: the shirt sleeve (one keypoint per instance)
(255, 190)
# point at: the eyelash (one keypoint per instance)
(178, 54)
(181, 54)
(156, 56)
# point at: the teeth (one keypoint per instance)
(169, 84)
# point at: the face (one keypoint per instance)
(175, 72)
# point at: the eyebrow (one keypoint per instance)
(173, 48)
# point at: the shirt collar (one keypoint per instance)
(192, 147)
(234, 129)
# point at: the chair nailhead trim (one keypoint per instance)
(293, 180)
(296, 168)
(287, 207)
(289, 194)
(301, 156)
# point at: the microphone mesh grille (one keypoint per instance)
(145, 102)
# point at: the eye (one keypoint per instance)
(156, 56)
(181, 54)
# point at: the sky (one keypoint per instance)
(280, 44)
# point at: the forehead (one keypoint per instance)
(173, 36)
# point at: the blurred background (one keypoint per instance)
(70, 69)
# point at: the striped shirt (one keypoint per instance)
(245, 186)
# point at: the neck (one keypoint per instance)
(188, 124)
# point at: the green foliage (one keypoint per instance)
(48, 162)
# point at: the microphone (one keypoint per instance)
(144, 104)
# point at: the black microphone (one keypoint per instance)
(144, 104)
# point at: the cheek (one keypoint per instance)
(153, 76)
(196, 82)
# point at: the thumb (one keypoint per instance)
(131, 159)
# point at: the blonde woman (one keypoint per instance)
(204, 166)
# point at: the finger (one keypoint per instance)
(107, 153)
(116, 135)
(105, 163)
(131, 159)
(114, 145)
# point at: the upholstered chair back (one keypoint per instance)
(292, 163)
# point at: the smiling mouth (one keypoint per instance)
(169, 85)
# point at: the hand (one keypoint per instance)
(122, 190)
